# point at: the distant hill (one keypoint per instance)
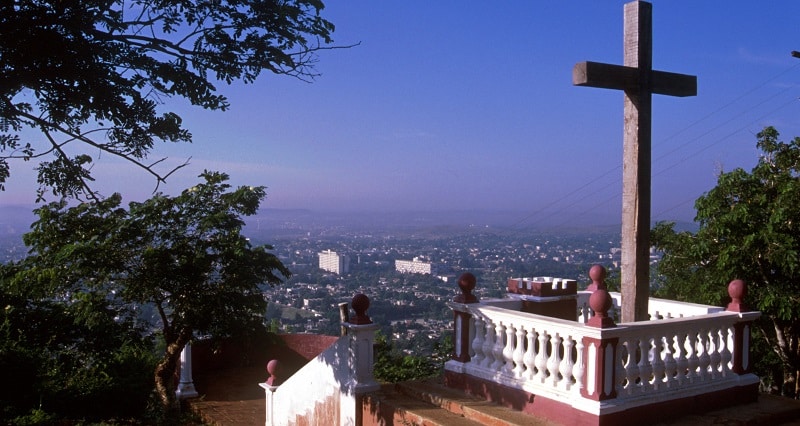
(285, 222)
(17, 219)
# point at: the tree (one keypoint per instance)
(77, 358)
(749, 228)
(184, 255)
(89, 76)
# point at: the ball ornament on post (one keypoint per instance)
(737, 290)
(273, 369)
(360, 304)
(600, 302)
(466, 283)
(597, 273)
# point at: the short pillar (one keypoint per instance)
(270, 396)
(737, 290)
(463, 331)
(600, 368)
(600, 353)
(270, 386)
(361, 333)
(186, 384)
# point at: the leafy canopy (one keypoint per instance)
(184, 256)
(749, 229)
(72, 358)
(81, 79)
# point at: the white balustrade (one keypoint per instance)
(690, 348)
(658, 309)
(514, 351)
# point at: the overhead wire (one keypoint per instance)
(571, 201)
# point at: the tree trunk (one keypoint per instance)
(787, 348)
(166, 373)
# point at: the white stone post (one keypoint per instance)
(270, 395)
(186, 385)
(361, 358)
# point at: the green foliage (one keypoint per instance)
(90, 75)
(749, 229)
(184, 256)
(73, 359)
(392, 366)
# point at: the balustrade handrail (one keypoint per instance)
(662, 355)
(657, 308)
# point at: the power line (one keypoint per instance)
(567, 197)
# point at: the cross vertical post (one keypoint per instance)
(639, 81)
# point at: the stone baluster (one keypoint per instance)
(519, 353)
(600, 353)
(682, 362)
(462, 321)
(693, 360)
(737, 290)
(554, 361)
(645, 362)
(567, 364)
(670, 365)
(716, 357)
(488, 344)
(726, 340)
(704, 360)
(541, 359)
(530, 354)
(478, 341)
(631, 366)
(508, 350)
(499, 346)
(657, 355)
(579, 369)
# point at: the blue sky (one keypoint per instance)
(454, 105)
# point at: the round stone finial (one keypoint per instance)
(598, 274)
(360, 304)
(466, 282)
(737, 290)
(600, 302)
(273, 369)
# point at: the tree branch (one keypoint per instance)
(44, 125)
(77, 169)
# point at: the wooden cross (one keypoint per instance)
(639, 81)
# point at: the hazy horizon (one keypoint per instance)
(16, 220)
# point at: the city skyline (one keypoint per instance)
(451, 106)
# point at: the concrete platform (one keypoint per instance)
(230, 397)
(233, 397)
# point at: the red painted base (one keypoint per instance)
(566, 414)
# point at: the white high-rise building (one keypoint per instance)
(333, 262)
(415, 266)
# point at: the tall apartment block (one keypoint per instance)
(333, 262)
(415, 266)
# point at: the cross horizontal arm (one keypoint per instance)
(608, 76)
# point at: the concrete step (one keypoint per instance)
(430, 403)
(434, 392)
(389, 406)
(768, 410)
